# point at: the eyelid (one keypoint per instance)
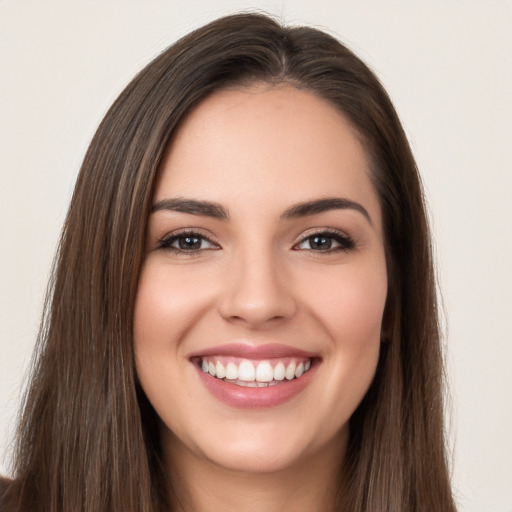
(165, 241)
(345, 241)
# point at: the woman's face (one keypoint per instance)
(260, 302)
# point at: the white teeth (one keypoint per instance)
(246, 371)
(279, 371)
(264, 372)
(245, 374)
(290, 371)
(220, 370)
(231, 371)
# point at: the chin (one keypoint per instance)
(254, 458)
(268, 448)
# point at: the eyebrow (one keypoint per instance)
(192, 206)
(323, 205)
(216, 211)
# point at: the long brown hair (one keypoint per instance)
(88, 439)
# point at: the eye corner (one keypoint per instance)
(325, 241)
(188, 242)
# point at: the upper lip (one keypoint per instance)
(248, 351)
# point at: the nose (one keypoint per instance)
(257, 291)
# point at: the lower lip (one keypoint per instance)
(251, 398)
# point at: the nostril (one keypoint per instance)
(255, 314)
(256, 293)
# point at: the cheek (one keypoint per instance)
(351, 314)
(350, 304)
(167, 304)
(165, 308)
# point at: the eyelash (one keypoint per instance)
(166, 242)
(346, 243)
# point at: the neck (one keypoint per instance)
(312, 484)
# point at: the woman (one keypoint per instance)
(243, 310)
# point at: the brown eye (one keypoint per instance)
(187, 243)
(326, 242)
(320, 243)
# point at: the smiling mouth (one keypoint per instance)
(255, 374)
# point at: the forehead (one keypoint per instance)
(272, 145)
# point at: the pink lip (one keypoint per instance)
(245, 397)
(268, 351)
(253, 398)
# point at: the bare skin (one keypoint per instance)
(313, 485)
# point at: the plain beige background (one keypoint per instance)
(448, 68)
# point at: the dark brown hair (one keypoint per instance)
(88, 439)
